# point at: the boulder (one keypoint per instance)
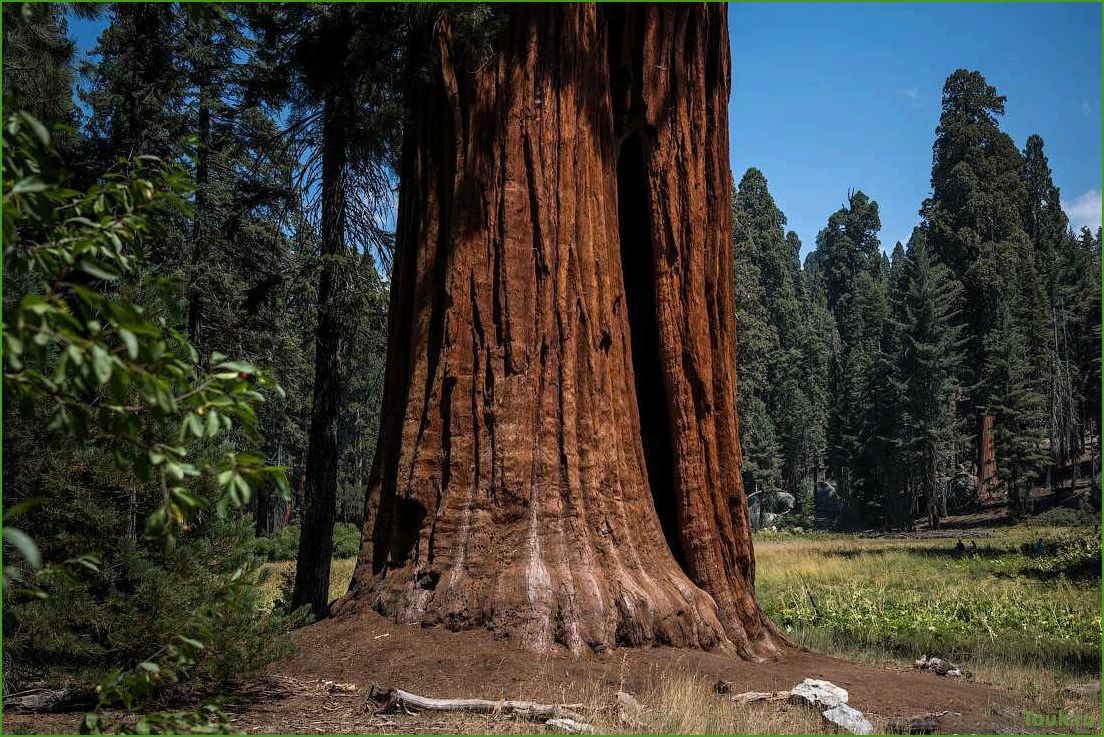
(821, 694)
(847, 718)
(828, 507)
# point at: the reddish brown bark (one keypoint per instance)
(558, 456)
(988, 481)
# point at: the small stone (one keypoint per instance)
(570, 726)
(848, 718)
(629, 711)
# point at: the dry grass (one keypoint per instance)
(686, 704)
(272, 576)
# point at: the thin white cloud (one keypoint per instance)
(914, 96)
(1086, 108)
(1084, 210)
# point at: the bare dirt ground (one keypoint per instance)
(365, 649)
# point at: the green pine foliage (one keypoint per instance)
(928, 362)
(778, 345)
(876, 367)
(1017, 407)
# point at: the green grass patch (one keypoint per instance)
(1028, 597)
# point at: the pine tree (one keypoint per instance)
(1018, 409)
(781, 429)
(337, 66)
(137, 91)
(927, 303)
(756, 341)
(1050, 333)
(849, 268)
(38, 66)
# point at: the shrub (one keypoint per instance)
(284, 543)
(123, 449)
(1076, 557)
(204, 590)
(1061, 517)
(346, 540)
(280, 545)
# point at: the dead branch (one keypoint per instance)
(749, 697)
(384, 700)
(50, 699)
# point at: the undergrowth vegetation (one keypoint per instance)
(284, 543)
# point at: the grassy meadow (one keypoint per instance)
(1015, 613)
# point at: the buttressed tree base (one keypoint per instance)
(558, 458)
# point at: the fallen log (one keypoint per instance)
(395, 699)
(50, 699)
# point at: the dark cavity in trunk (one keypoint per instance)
(638, 271)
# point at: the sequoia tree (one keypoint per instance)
(558, 457)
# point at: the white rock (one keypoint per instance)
(821, 694)
(570, 726)
(850, 719)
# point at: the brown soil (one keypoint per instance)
(366, 649)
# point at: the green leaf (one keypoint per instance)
(151, 667)
(22, 542)
(101, 363)
(90, 562)
(98, 271)
(195, 424)
(131, 343)
(242, 367)
(29, 184)
(194, 644)
(36, 127)
(22, 507)
(212, 423)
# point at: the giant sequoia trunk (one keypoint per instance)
(558, 456)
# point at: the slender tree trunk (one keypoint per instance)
(199, 223)
(558, 457)
(987, 456)
(312, 569)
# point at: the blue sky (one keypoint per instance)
(831, 96)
